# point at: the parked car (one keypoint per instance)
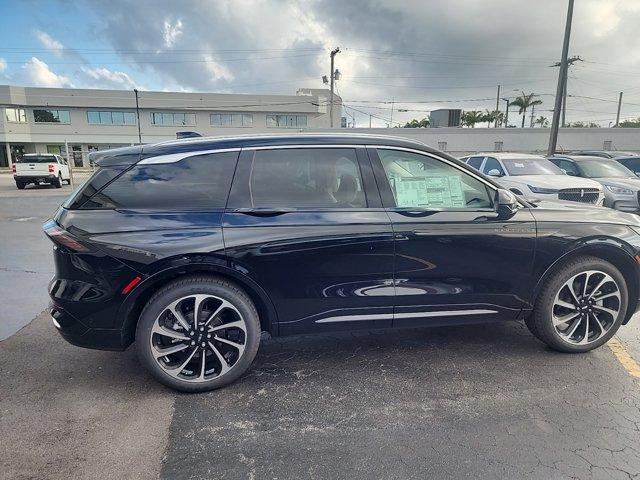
(40, 168)
(193, 247)
(601, 153)
(535, 177)
(621, 185)
(632, 163)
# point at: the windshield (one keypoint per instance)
(604, 168)
(37, 159)
(531, 167)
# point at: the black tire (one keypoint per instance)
(191, 285)
(58, 182)
(20, 185)
(540, 321)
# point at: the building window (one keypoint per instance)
(497, 146)
(52, 116)
(16, 115)
(290, 121)
(111, 118)
(231, 119)
(173, 119)
(442, 146)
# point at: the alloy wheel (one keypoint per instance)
(586, 307)
(198, 337)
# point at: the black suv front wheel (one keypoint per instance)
(198, 333)
(581, 305)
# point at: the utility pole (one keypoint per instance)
(553, 137)
(393, 102)
(565, 81)
(369, 120)
(495, 125)
(333, 53)
(533, 109)
(135, 90)
(619, 107)
(506, 114)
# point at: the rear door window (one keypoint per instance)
(492, 164)
(197, 182)
(306, 178)
(475, 162)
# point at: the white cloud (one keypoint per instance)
(3, 64)
(171, 32)
(218, 71)
(50, 43)
(39, 74)
(101, 77)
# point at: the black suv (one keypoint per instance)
(192, 248)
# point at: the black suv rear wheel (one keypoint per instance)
(581, 306)
(198, 333)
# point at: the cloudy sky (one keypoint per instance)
(405, 57)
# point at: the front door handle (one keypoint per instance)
(264, 212)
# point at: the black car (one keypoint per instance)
(192, 248)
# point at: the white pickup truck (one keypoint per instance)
(41, 168)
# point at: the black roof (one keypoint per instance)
(129, 155)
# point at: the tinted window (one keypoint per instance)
(492, 164)
(530, 166)
(37, 159)
(199, 182)
(425, 182)
(306, 177)
(604, 167)
(475, 162)
(632, 164)
(569, 167)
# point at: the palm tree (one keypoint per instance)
(471, 117)
(542, 121)
(490, 116)
(523, 102)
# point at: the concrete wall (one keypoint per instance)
(466, 140)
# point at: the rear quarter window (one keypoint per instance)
(197, 182)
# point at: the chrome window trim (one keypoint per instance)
(286, 147)
(176, 157)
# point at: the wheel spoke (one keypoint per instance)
(600, 326)
(162, 352)
(167, 332)
(564, 304)
(178, 370)
(613, 313)
(237, 324)
(564, 319)
(223, 361)
(608, 295)
(586, 282)
(197, 306)
(569, 285)
(203, 364)
(597, 287)
(224, 305)
(571, 330)
(585, 339)
(173, 308)
(238, 346)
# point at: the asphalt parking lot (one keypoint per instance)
(457, 402)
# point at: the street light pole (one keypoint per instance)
(506, 114)
(333, 53)
(562, 75)
(135, 90)
(495, 125)
(619, 107)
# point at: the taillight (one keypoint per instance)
(13, 168)
(62, 237)
(51, 168)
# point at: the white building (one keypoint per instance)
(42, 119)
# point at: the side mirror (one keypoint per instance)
(494, 172)
(506, 203)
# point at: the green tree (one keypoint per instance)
(542, 121)
(523, 103)
(583, 125)
(415, 123)
(490, 116)
(471, 117)
(630, 123)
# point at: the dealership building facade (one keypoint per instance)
(40, 120)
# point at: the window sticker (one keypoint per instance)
(518, 165)
(430, 192)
